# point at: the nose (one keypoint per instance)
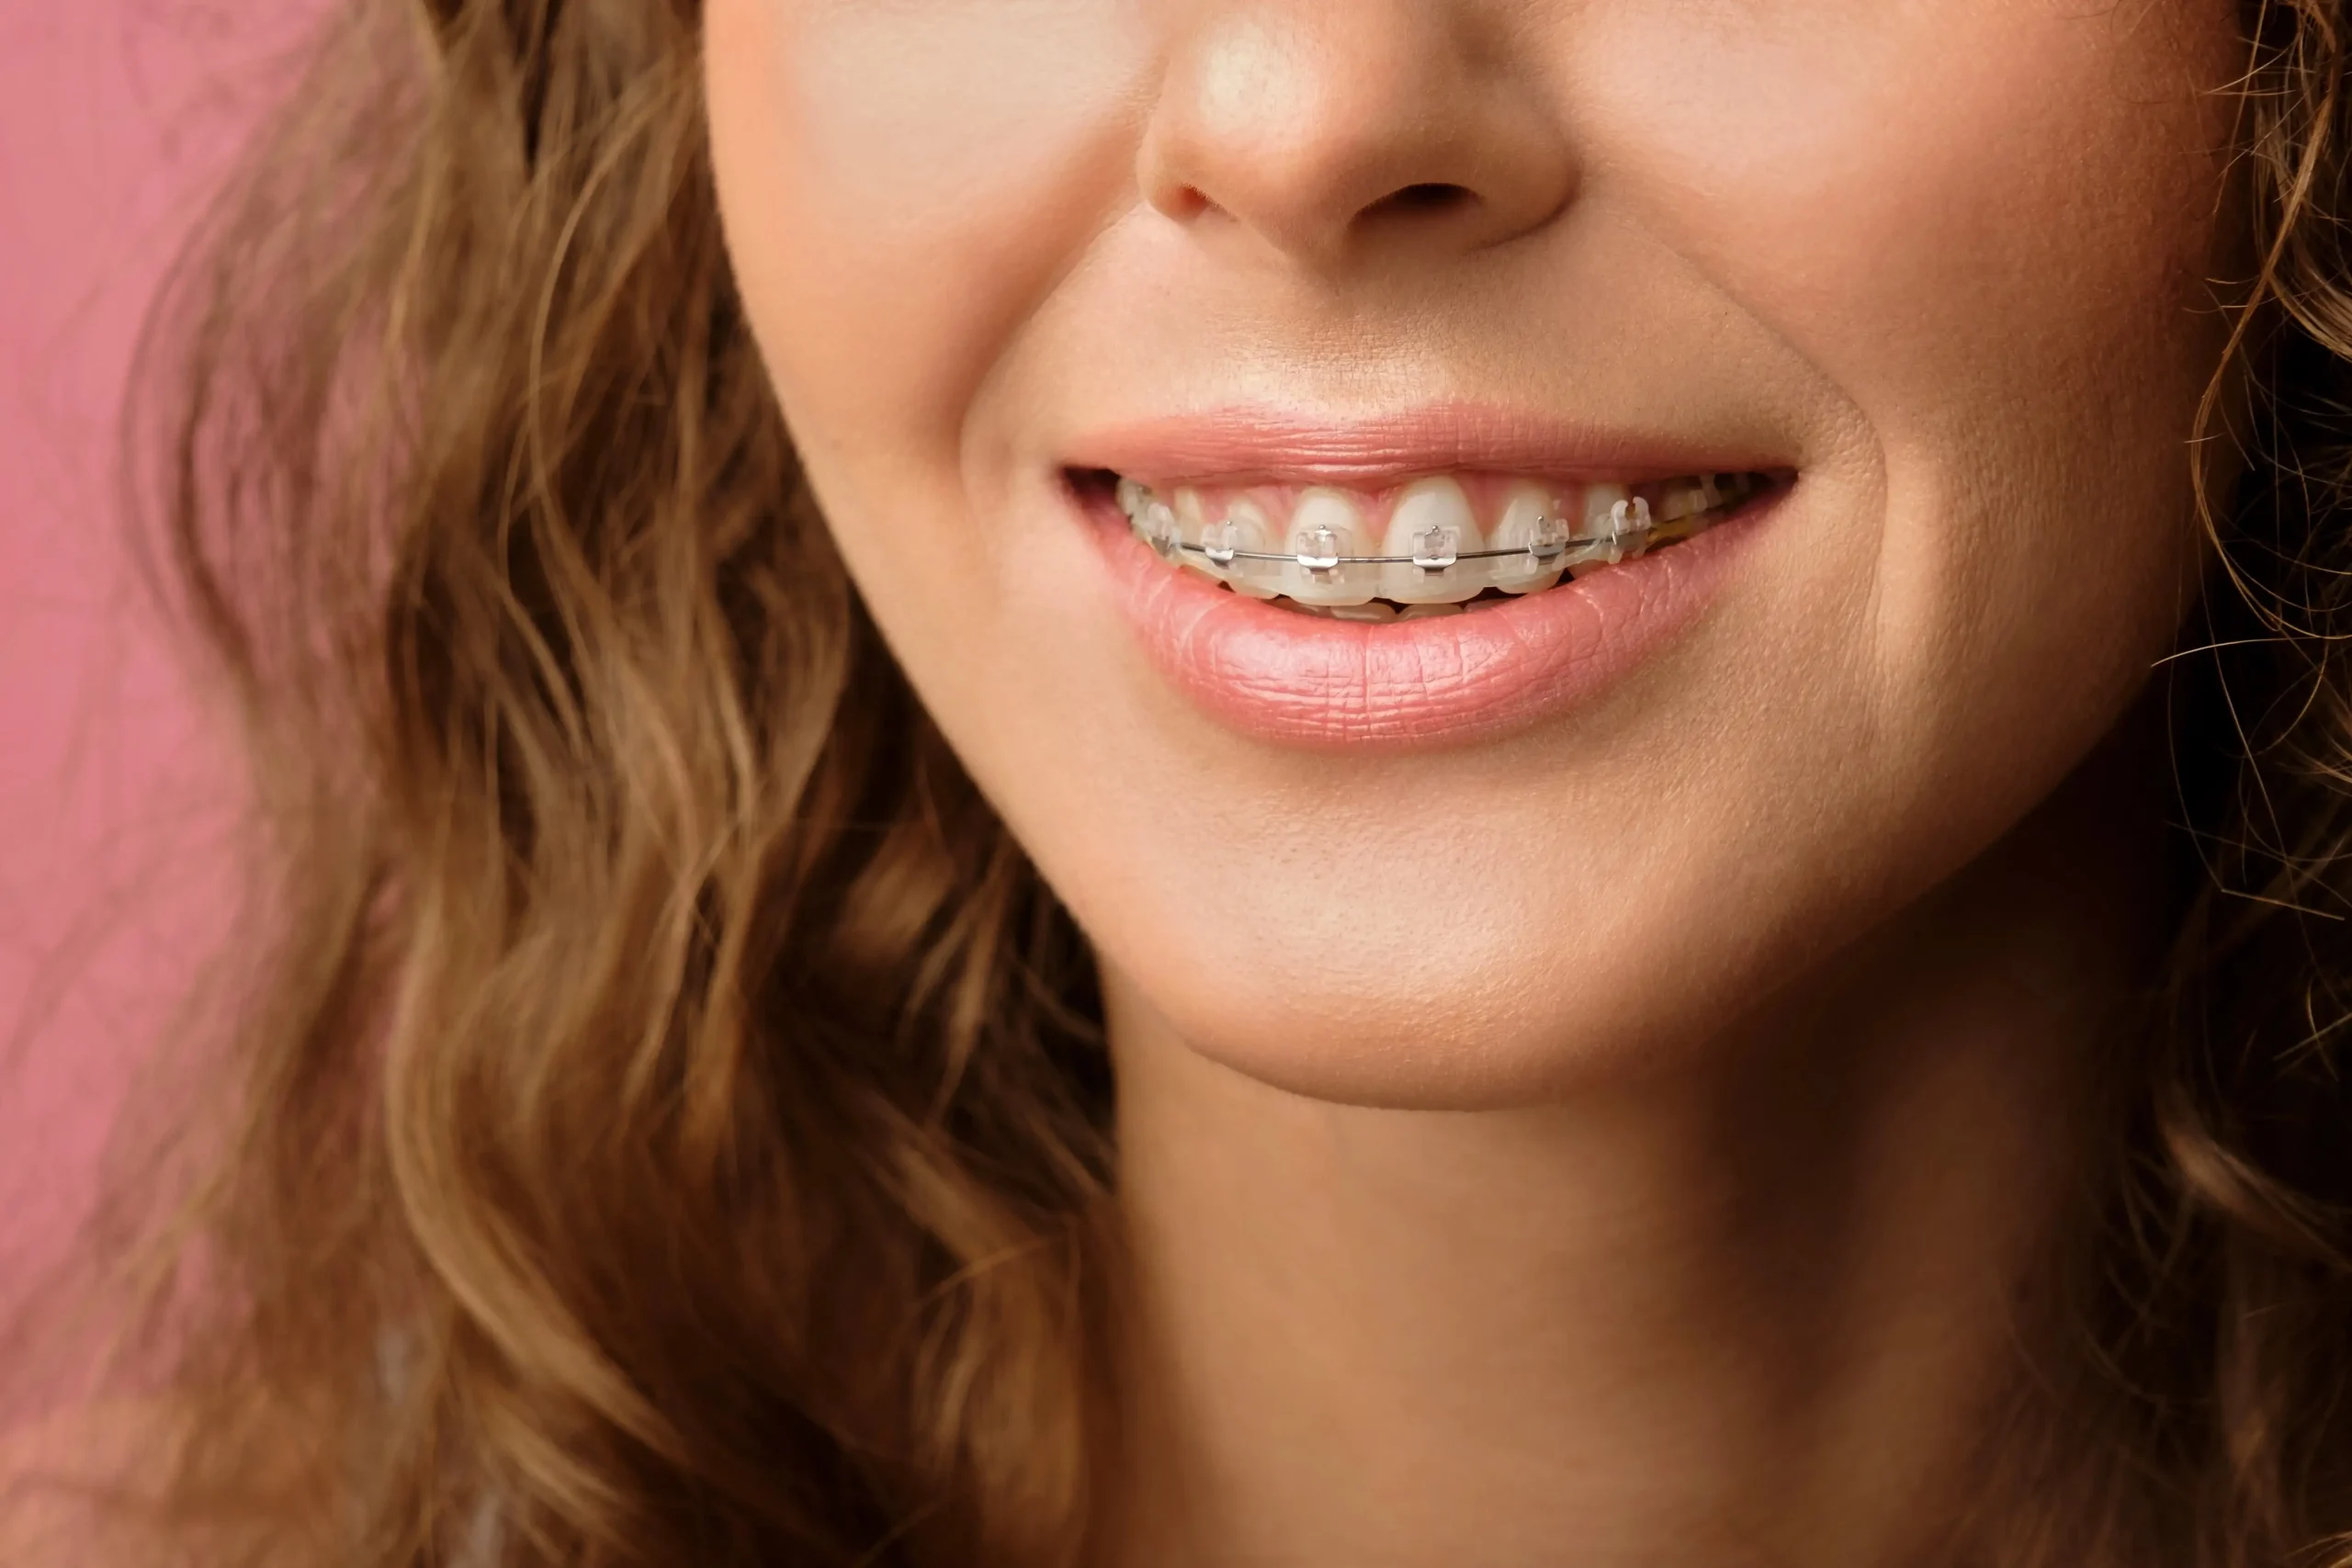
(1328, 128)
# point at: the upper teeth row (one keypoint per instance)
(1433, 551)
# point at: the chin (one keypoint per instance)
(1463, 1036)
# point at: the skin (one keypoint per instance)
(1621, 1140)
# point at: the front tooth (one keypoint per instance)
(1599, 501)
(1527, 508)
(1241, 525)
(1190, 514)
(1431, 522)
(1325, 525)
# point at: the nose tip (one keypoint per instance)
(1326, 127)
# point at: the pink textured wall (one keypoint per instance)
(116, 118)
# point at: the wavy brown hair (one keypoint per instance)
(664, 1121)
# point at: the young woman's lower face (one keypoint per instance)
(1477, 287)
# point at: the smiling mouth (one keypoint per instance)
(1441, 545)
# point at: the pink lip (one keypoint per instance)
(1305, 679)
(1309, 680)
(1252, 444)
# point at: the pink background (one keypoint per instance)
(116, 118)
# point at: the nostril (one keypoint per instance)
(1426, 198)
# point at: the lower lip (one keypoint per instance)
(1307, 680)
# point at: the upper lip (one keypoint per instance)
(1260, 444)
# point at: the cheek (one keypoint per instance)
(1990, 227)
(1947, 182)
(904, 183)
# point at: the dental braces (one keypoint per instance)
(1551, 546)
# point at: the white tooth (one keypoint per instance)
(1162, 529)
(1254, 532)
(1526, 507)
(1599, 501)
(1133, 498)
(1326, 524)
(1374, 611)
(1432, 515)
(1687, 507)
(1685, 497)
(1429, 612)
(1203, 519)
(1635, 525)
(1190, 514)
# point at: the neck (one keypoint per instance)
(1765, 1312)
